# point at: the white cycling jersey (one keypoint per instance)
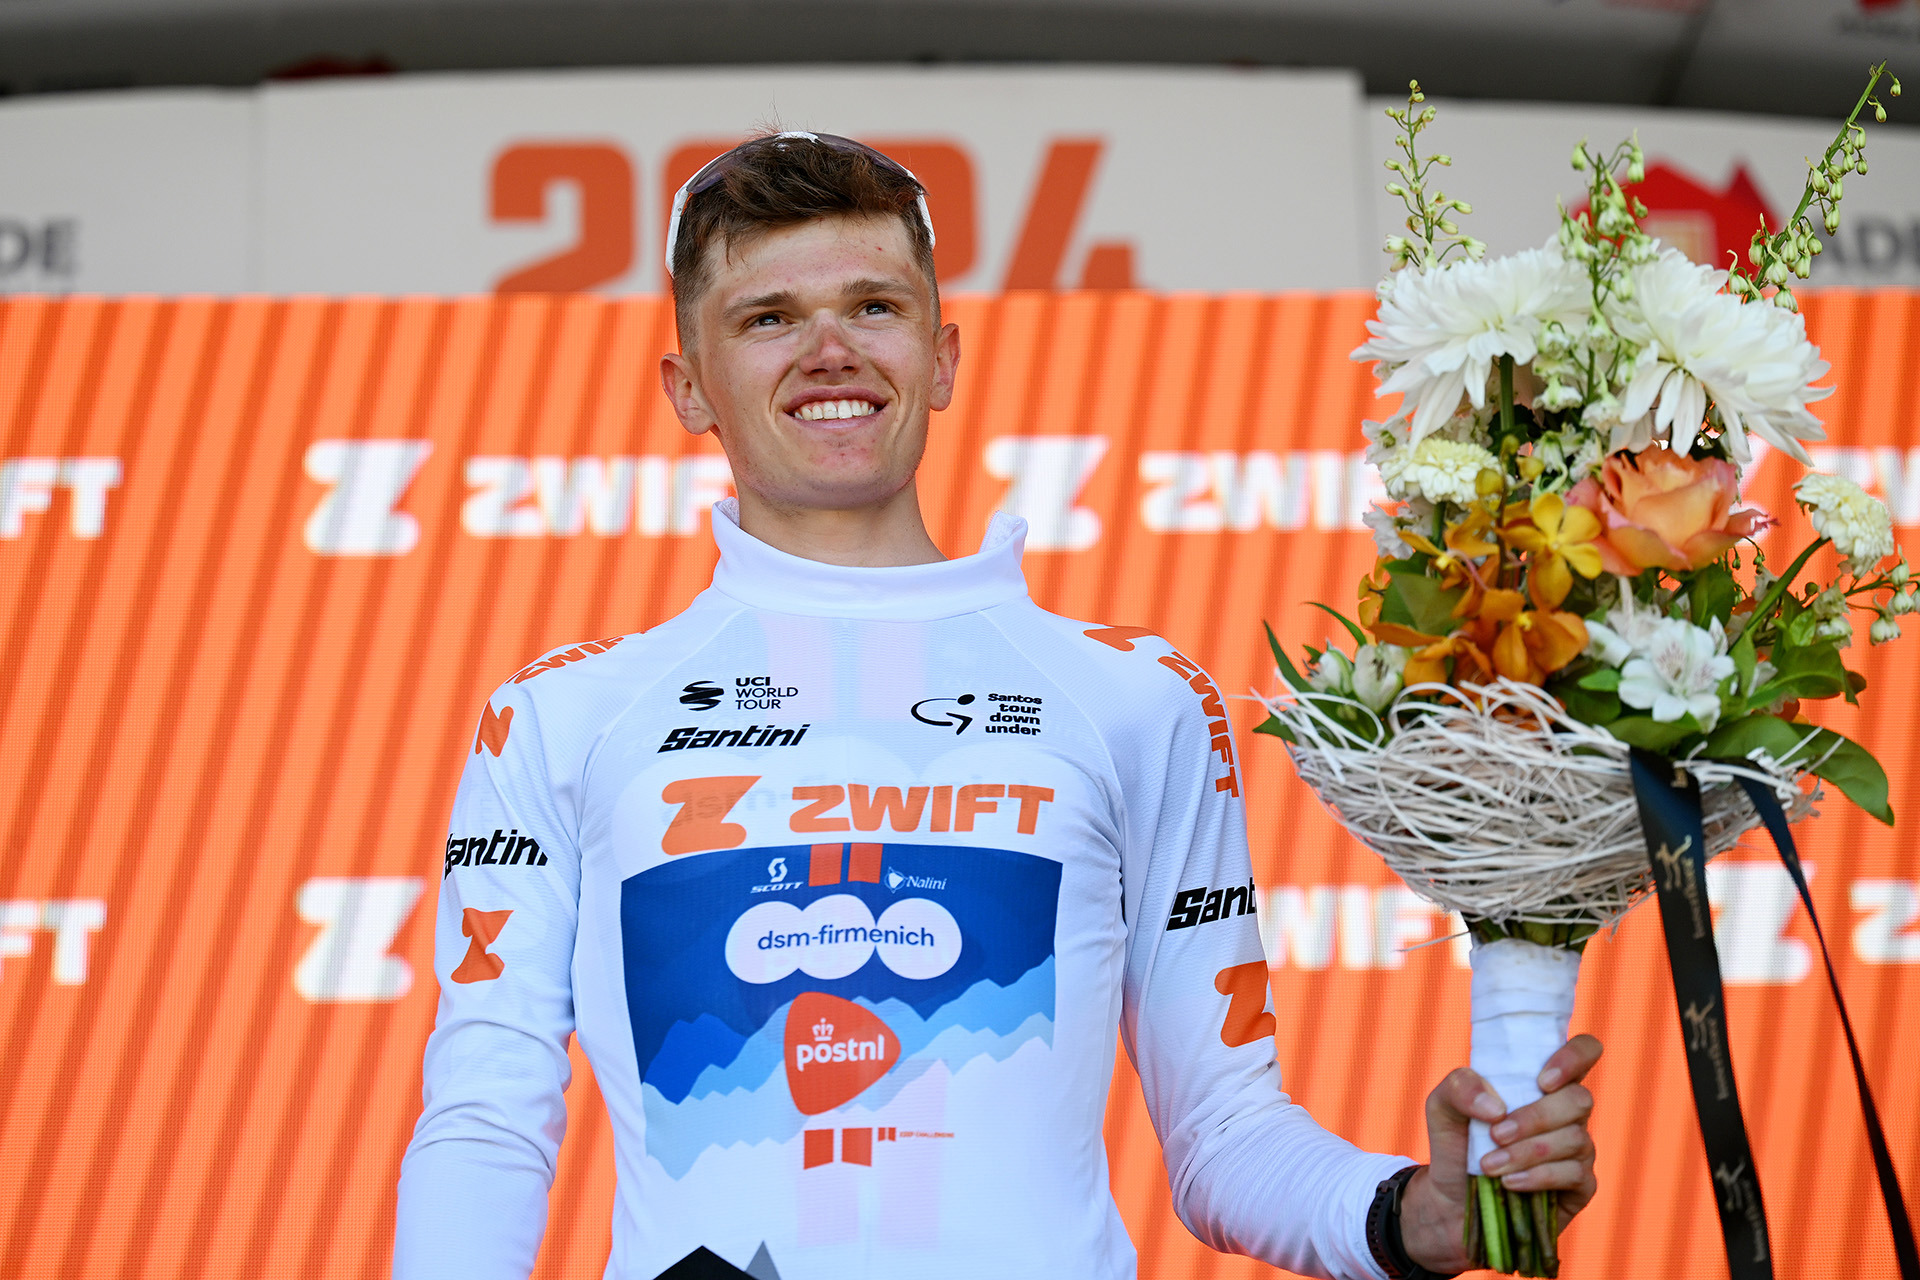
(845, 878)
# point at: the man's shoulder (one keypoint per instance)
(1105, 659)
(595, 679)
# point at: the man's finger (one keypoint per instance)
(1463, 1096)
(1572, 1105)
(1556, 1175)
(1570, 1062)
(1569, 1143)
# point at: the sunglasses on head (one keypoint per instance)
(715, 171)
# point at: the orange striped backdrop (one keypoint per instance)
(201, 715)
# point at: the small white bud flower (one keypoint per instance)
(1883, 630)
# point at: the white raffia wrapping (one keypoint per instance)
(1511, 810)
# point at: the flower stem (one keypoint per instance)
(1493, 1218)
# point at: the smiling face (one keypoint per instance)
(816, 356)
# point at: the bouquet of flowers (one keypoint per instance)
(1566, 574)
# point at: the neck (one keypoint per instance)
(889, 533)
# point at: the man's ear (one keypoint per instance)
(679, 381)
(946, 365)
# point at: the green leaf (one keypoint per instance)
(1712, 593)
(1273, 725)
(1605, 680)
(1852, 768)
(1810, 671)
(1744, 662)
(1654, 735)
(1799, 631)
(1847, 765)
(1770, 733)
(1281, 660)
(1414, 600)
(1589, 707)
(1359, 637)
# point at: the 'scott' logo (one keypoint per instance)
(835, 1049)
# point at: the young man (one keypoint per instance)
(846, 876)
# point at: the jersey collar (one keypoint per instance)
(764, 577)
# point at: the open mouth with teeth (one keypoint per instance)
(835, 410)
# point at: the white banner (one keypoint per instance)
(1055, 178)
(126, 193)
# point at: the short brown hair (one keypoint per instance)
(779, 181)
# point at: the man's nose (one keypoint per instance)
(826, 346)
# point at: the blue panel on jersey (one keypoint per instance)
(691, 1010)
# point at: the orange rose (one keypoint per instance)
(1657, 507)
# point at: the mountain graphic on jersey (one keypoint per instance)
(769, 986)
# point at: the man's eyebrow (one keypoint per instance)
(872, 284)
(763, 301)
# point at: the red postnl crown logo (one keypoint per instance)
(835, 1049)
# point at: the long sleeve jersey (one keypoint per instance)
(844, 878)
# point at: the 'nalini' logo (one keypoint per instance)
(835, 1049)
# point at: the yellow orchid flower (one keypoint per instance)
(1466, 542)
(1559, 540)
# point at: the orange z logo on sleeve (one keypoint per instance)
(701, 825)
(481, 928)
(493, 730)
(1247, 1020)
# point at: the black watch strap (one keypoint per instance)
(1383, 1231)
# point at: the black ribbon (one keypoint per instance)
(1671, 817)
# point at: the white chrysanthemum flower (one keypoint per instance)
(1439, 332)
(1436, 469)
(1699, 343)
(1680, 673)
(1376, 673)
(1859, 524)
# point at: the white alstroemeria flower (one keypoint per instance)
(1859, 524)
(1680, 674)
(1437, 469)
(1333, 673)
(1626, 632)
(1376, 673)
(1440, 332)
(1699, 343)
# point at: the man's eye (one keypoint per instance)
(768, 319)
(876, 308)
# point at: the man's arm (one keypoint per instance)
(1250, 1171)
(474, 1182)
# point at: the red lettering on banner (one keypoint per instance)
(701, 824)
(481, 928)
(493, 731)
(603, 177)
(1247, 1020)
(1058, 197)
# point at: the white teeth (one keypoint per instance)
(823, 410)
